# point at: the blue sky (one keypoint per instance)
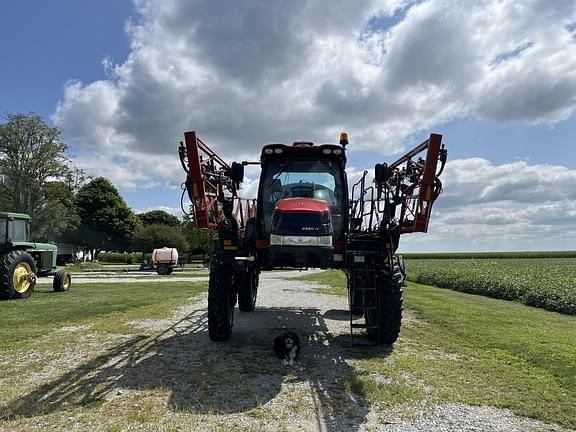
(124, 80)
(48, 43)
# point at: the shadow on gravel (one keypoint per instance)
(231, 377)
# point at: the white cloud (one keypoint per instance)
(175, 211)
(475, 180)
(513, 206)
(253, 72)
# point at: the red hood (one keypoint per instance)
(302, 205)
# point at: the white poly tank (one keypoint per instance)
(165, 256)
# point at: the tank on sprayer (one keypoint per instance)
(164, 260)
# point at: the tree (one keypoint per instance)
(107, 223)
(159, 217)
(60, 199)
(32, 160)
(201, 241)
(155, 236)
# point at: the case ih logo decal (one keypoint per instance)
(310, 228)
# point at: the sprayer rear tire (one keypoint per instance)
(17, 275)
(389, 316)
(248, 291)
(221, 297)
(62, 281)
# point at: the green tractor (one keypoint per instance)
(22, 261)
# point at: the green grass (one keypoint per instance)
(105, 306)
(331, 281)
(480, 351)
(546, 283)
(388, 394)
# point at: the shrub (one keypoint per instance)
(120, 258)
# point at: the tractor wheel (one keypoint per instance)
(162, 269)
(388, 317)
(17, 275)
(169, 270)
(248, 290)
(62, 281)
(221, 297)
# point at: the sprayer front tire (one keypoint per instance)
(17, 275)
(388, 317)
(221, 297)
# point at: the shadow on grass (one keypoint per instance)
(205, 377)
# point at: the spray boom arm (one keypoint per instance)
(212, 185)
(400, 201)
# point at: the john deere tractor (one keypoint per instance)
(22, 261)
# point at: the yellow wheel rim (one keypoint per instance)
(66, 282)
(22, 277)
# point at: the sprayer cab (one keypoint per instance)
(303, 204)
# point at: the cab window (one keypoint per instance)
(18, 230)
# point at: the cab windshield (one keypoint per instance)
(319, 179)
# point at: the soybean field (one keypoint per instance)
(548, 283)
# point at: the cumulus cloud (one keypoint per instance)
(476, 180)
(487, 207)
(251, 72)
(175, 211)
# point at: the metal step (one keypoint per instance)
(364, 291)
(364, 326)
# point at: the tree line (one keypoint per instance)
(66, 206)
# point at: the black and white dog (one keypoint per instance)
(286, 347)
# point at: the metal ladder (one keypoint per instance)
(364, 296)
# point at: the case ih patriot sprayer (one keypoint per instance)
(304, 217)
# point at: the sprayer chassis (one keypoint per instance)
(303, 217)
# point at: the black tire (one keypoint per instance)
(62, 281)
(161, 269)
(401, 269)
(248, 289)
(169, 270)
(389, 316)
(221, 297)
(23, 264)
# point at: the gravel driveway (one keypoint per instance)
(328, 357)
(190, 383)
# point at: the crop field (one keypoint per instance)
(490, 255)
(548, 283)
